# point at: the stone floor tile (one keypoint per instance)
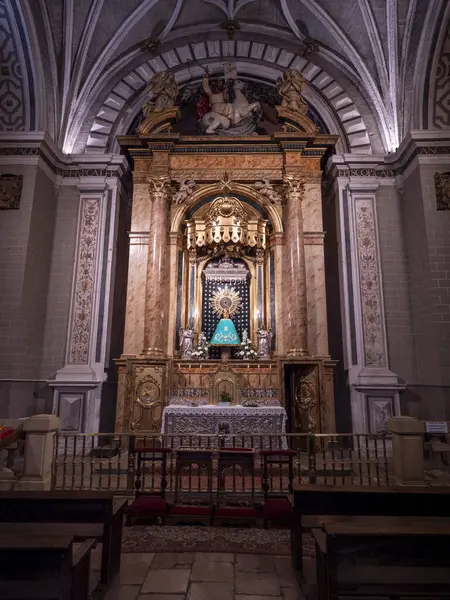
(214, 557)
(212, 571)
(173, 560)
(255, 562)
(284, 571)
(290, 593)
(210, 591)
(161, 597)
(254, 583)
(239, 597)
(123, 592)
(134, 567)
(166, 581)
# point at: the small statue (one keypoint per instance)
(265, 188)
(163, 90)
(244, 336)
(186, 342)
(290, 87)
(186, 189)
(264, 342)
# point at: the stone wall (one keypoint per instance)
(25, 258)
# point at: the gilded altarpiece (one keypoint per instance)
(269, 187)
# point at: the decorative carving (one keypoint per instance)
(151, 45)
(380, 413)
(10, 191)
(304, 403)
(185, 190)
(163, 90)
(159, 188)
(311, 45)
(442, 90)
(264, 342)
(374, 352)
(290, 87)
(148, 403)
(442, 186)
(237, 117)
(294, 187)
(84, 281)
(186, 342)
(266, 189)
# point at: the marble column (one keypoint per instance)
(294, 272)
(157, 287)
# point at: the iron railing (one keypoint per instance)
(109, 461)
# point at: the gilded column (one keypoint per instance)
(294, 270)
(157, 288)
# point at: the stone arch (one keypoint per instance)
(236, 188)
(258, 60)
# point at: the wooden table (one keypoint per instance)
(38, 563)
(400, 539)
(312, 501)
(87, 514)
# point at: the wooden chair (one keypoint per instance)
(245, 512)
(277, 507)
(193, 505)
(149, 505)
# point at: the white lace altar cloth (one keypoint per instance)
(237, 426)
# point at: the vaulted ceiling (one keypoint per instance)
(366, 62)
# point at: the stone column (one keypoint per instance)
(157, 288)
(294, 272)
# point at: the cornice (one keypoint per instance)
(31, 147)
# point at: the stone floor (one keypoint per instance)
(204, 576)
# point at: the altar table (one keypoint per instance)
(258, 427)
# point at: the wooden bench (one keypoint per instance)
(312, 501)
(370, 545)
(35, 564)
(87, 514)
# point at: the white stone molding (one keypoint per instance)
(374, 389)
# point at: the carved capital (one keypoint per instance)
(294, 187)
(159, 188)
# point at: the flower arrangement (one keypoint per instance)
(225, 397)
(247, 351)
(202, 351)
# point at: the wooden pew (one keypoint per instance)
(90, 515)
(312, 501)
(41, 565)
(383, 556)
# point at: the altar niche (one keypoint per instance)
(232, 273)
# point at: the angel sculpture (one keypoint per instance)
(265, 188)
(163, 91)
(290, 87)
(186, 342)
(186, 189)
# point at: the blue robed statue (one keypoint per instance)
(225, 302)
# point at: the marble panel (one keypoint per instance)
(312, 207)
(137, 274)
(140, 215)
(316, 300)
(227, 162)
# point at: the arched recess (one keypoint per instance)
(237, 189)
(21, 97)
(254, 60)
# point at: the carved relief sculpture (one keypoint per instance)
(228, 115)
(186, 342)
(10, 191)
(290, 87)
(163, 90)
(185, 190)
(442, 186)
(266, 189)
(304, 404)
